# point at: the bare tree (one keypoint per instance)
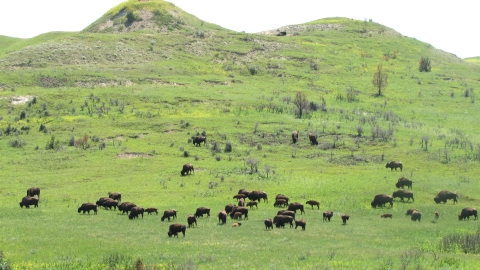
(301, 102)
(380, 80)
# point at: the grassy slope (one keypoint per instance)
(164, 88)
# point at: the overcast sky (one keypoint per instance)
(452, 26)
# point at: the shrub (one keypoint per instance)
(424, 64)
(23, 115)
(133, 17)
(253, 70)
(186, 154)
(102, 145)
(17, 143)
(218, 158)
(71, 141)
(228, 147)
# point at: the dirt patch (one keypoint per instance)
(129, 155)
(19, 100)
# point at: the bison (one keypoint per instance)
(302, 223)
(191, 219)
(33, 191)
(296, 206)
(268, 223)
(101, 200)
(240, 209)
(394, 165)
(172, 213)
(152, 210)
(86, 207)
(402, 182)
(445, 195)
(125, 207)
(135, 212)
(386, 216)
(199, 139)
(229, 207)
(295, 137)
(280, 220)
(312, 203)
(256, 195)
(281, 34)
(401, 193)
(437, 215)
(381, 199)
(416, 216)
(251, 204)
(467, 212)
(345, 217)
(240, 196)
(237, 215)
(283, 197)
(241, 202)
(201, 211)
(286, 213)
(410, 211)
(237, 224)
(313, 139)
(327, 215)
(27, 201)
(174, 229)
(222, 217)
(243, 191)
(280, 202)
(109, 203)
(187, 168)
(115, 195)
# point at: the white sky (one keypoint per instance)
(452, 26)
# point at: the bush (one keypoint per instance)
(424, 64)
(133, 17)
(253, 70)
(228, 147)
(186, 154)
(17, 143)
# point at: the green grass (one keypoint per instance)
(149, 93)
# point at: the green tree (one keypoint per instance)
(380, 80)
(301, 102)
(424, 64)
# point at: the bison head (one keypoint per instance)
(437, 199)
(170, 234)
(373, 204)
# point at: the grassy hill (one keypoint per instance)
(113, 109)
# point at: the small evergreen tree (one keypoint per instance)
(424, 64)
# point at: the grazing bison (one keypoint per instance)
(100, 201)
(201, 211)
(280, 202)
(437, 215)
(313, 202)
(187, 168)
(33, 191)
(86, 207)
(222, 217)
(313, 139)
(410, 211)
(191, 219)
(237, 224)
(280, 220)
(256, 195)
(286, 213)
(172, 213)
(115, 195)
(296, 206)
(327, 215)
(402, 182)
(467, 212)
(244, 192)
(199, 139)
(27, 201)
(268, 223)
(174, 229)
(109, 203)
(381, 199)
(302, 223)
(251, 204)
(401, 193)
(229, 207)
(240, 209)
(125, 207)
(445, 195)
(295, 136)
(283, 197)
(241, 202)
(345, 217)
(394, 165)
(239, 196)
(135, 212)
(386, 216)
(416, 216)
(281, 34)
(152, 210)
(237, 215)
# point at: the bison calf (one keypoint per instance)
(302, 223)
(386, 216)
(237, 224)
(416, 216)
(345, 217)
(191, 219)
(314, 203)
(327, 215)
(268, 223)
(237, 215)
(437, 215)
(151, 210)
(222, 217)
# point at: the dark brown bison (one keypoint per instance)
(467, 212)
(302, 223)
(151, 210)
(394, 165)
(327, 215)
(402, 182)
(237, 224)
(229, 207)
(281, 34)
(191, 219)
(125, 207)
(187, 168)
(241, 202)
(286, 213)
(386, 216)
(199, 139)
(280, 202)
(256, 195)
(296, 206)
(416, 216)
(251, 204)
(280, 220)
(437, 215)
(410, 211)
(345, 217)
(401, 193)
(33, 191)
(237, 215)
(295, 136)
(313, 202)
(135, 212)
(381, 199)
(100, 201)
(283, 197)
(201, 211)
(174, 229)
(222, 217)
(313, 139)
(445, 195)
(239, 196)
(86, 207)
(115, 195)
(109, 203)
(268, 223)
(172, 213)
(240, 209)
(243, 191)
(27, 201)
